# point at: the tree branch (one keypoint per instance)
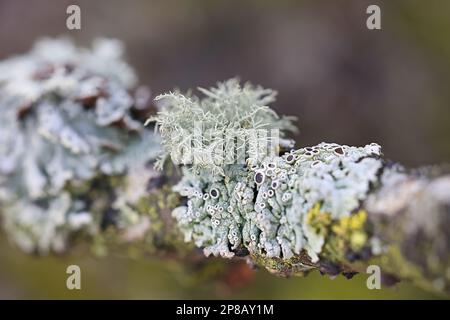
(406, 229)
(74, 168)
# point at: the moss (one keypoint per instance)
(299, 265)
(393, 264)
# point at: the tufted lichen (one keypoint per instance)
(230, 124)
(269, 208)
(71, 143)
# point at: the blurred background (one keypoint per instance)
(345, 83)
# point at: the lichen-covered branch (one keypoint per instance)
(76, 162)
(402, 227)
(321, 207)
(73, 148)
(410, 215)
(76, 165)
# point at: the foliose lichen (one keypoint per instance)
(269, 207)
(264, 208)
(70, 122)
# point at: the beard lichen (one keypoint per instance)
(71, 142)
(230, 124)
(275, 209)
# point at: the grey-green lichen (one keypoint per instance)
(263, 208)
(230, 124)
(71, 143)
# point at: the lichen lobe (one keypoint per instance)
(265, 208)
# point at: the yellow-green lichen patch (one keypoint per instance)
(340, 235)
(351, 230)
(318, 220)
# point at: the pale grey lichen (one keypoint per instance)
(67, 123)
(263, 208)
(260, 207)
(230, 124)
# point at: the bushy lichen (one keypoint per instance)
(71, 141)
(267, 208)
(230, 124)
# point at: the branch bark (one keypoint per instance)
(73, 164)
(406, 226)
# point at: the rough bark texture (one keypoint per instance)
(407, 228)
(409, 216)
